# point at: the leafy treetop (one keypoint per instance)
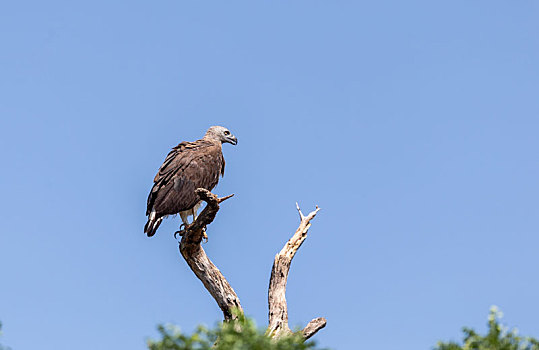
(498, 337)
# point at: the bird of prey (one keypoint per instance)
(188, 166)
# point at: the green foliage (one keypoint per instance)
(1, 346)
(498, 337)
(241, 334)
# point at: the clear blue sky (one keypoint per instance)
(412, 124)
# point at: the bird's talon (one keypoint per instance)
(204, 236)
(178, 233)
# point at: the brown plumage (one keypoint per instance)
(188, 166)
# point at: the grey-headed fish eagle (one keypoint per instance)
(188, 166)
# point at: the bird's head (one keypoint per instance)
(221, 134)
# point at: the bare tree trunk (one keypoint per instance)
(278, 309)
(218, 286)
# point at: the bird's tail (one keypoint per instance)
(152, 225)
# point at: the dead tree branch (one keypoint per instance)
(218, 286)
(313, 327)
(278, 310)
(198, 261)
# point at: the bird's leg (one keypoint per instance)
(183, 226)
(194, 212)
(183, 216)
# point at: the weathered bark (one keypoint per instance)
(278, 310)
(198, 261)
(218, 286)
(313, 327)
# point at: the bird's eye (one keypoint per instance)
(227, 133)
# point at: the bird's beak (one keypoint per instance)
(233, 140)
